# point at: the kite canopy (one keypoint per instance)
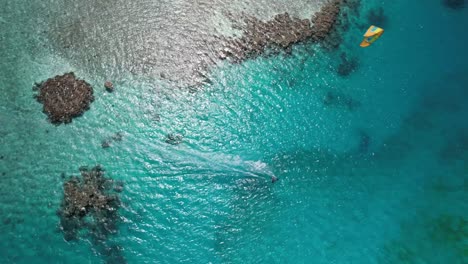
(372, 34)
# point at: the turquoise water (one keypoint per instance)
(378, 174)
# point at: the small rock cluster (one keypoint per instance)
(64, 97)
(336, 99)
(109, 86)
(173, 139)
(281, 32)
(117, 137)
(90, 201)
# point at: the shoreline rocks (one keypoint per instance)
(64, 97)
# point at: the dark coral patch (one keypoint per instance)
(364, 142)
(106, 144)
(89, 202)
(348, 14)
(90, 207)
(280, 33)
(173, 139)
(376, 16)
(325, 20)
(337, 99)
(117, 137)
(456, 148)
(64, 97)
(421, 240)
(454, 4)
(347, 65)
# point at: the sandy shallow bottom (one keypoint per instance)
(170, 39)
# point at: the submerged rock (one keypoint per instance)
(117, 137)
(64, 97)
(347, 65)
(325, 20)
(173, 139)
(376, 16)
(105, 144)
(109, 86)
(454, 4)
(348, 15)
(337, 99)
(89, 202)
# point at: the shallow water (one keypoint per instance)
(372, 166)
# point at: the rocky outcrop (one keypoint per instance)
(64, 97)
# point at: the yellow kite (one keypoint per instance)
(372, 34)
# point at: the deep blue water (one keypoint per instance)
(372, 167)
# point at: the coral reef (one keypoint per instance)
(64, 97)
(423, 240)
(347, 65)
(454, 4)
(349, 12)
(456, 148)
(279, 33)
(89, 202)
(325, 20)
(376, 16)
